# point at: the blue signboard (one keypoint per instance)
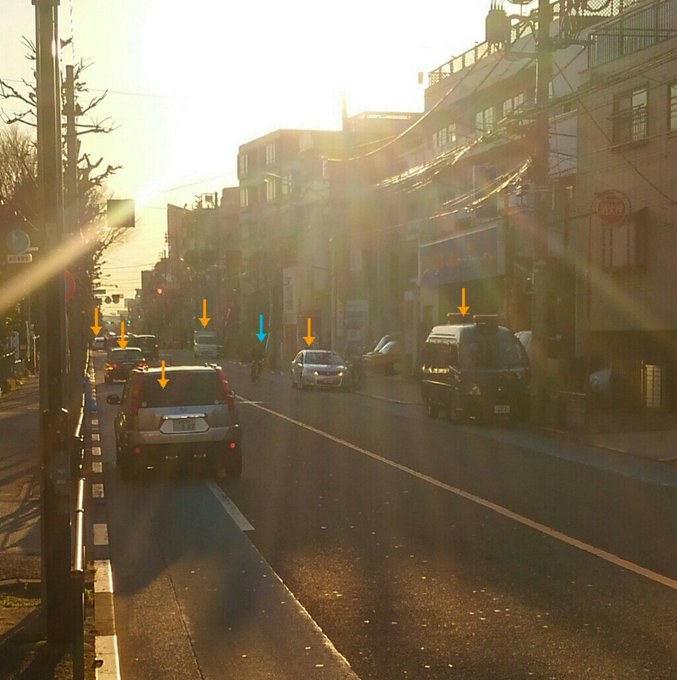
(467, 257)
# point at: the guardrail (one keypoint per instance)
(78, 565)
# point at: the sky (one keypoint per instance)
(188, 83)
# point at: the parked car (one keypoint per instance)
(192, 421)
(122, 361)
(475, 369)
(384, 359)
(320, 368)
(149, 344)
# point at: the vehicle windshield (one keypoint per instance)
(487, 350)
(131, 354)
(323, 358)
(183, 389)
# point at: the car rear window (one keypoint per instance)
(183, 389)
(127, 355)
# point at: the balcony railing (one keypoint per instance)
(483, 50)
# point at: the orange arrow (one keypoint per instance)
(204, 319)
(96, 328)
(163, 381)
(122, 342)
(309, 338)
(463, 309)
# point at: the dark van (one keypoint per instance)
(475, 369)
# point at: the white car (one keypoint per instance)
(98, 343)
(320, 368)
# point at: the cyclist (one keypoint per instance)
(257, 360)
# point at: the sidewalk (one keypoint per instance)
(23, 651)
(649, 436)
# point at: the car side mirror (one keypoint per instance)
(113, 399)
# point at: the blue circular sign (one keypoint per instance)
(17, 241)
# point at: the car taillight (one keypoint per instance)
(141, 364)
(230, 395)
(136, 396)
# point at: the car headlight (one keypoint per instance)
(315, 373)
(340, 374)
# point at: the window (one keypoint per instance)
(624, 246)
(270, 154)
(672, 106)
(244, 198)
(242, 165)
(484, 120)
(271, 189)
(513, 103)
(444, 136)
(287, 185)
(630, 116)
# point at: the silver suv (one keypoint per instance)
(193, 420)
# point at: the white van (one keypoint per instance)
(205, 344)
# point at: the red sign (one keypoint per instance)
(69, 286)
(613, 208)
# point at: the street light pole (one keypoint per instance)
(541, 170)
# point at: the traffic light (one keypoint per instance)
(160, 290)
(116, 298)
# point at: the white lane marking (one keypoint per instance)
(97, 467)
(230, 507)
(97, 490)
(96, 450)
(96, 437)
(103, 576)
(100, 534)
(499, 509)
(106, 651)
(95, 422)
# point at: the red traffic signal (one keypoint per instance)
(160, 290)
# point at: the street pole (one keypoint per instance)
(55, 481)
(541, 170)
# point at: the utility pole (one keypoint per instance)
(55, 481)
(541, 174)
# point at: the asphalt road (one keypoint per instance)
(418, 549)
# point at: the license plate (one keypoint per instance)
(501, 408)
(184, 425)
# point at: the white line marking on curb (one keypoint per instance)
(230, 507)
(97, 490)
(97, 467)
(244, 525)
(499, 509)
(96, 437)
(106, 650)
(96, 450)
(100, 534)
(103, 576)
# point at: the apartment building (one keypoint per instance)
(627, 203)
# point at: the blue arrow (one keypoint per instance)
(261, 335)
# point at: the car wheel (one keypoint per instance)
(431, 408)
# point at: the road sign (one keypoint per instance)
(23, 258)
(613, 208)
(17, 241)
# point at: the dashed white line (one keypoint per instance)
(106, 651)
(100, 534)
(97, 491)
(230, 507)
(96, 437)
(96, 450)
(95, 422)
(103, 576)
(97, 467)
(499, 509)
